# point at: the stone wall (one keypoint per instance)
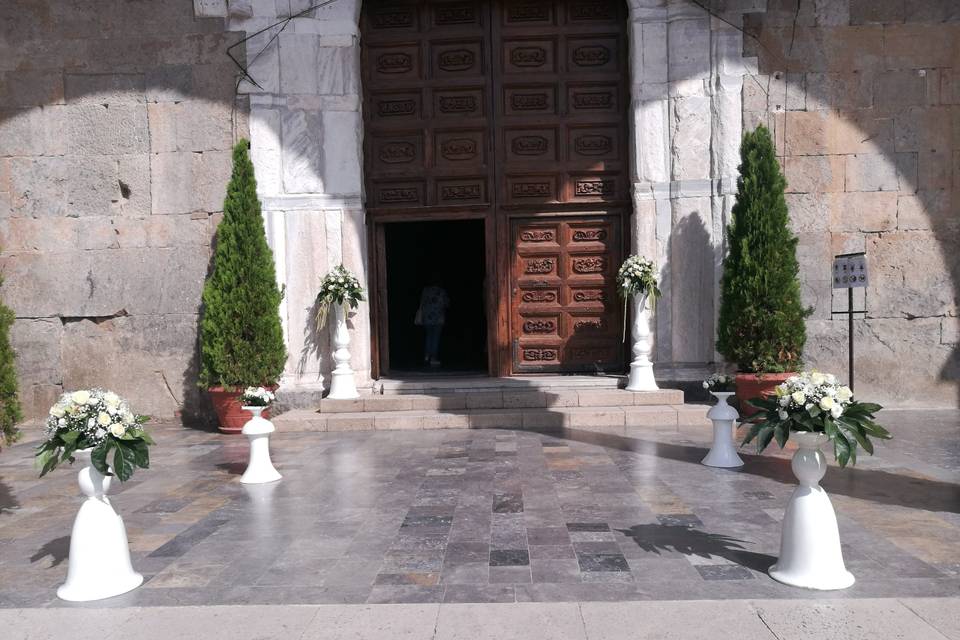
(115, 132)
(864, 99)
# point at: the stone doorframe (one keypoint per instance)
(686, 73)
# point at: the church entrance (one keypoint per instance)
(511, 114)
(435, 259)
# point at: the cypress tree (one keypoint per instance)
(761, 324)
(241, 339)
(10, 412)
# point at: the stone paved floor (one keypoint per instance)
(487, 516)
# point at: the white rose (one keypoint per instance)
(111, 399)
(831, 379)
(836, 410)
(799, 397)
(56, 411)
(844, 394)
(826, 403)
(61, 422)
(783, 414)
(103, 419)
(100, 433)
(127, 417)
(784, 401)
(118, 429)
(817, 379)
(706, 385)
(830, 391)
(80, 397)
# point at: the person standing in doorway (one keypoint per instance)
(432, 314)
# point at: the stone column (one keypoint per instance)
(305, 130)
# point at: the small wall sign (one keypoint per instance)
(850, 271)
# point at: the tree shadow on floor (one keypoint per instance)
(8, 501)
(874, 485)
(689, 541)
(58, 549)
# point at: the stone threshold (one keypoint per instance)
(617, 420)
(503, 399)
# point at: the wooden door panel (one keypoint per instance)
(562, 286)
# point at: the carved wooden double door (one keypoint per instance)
(515, 112)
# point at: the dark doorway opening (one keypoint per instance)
(451, 253)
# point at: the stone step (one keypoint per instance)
(605, 419)
(503, 399)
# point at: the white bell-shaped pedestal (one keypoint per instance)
(342, 384)
(260, 468)
(810, 554)
(641, 368)
(723, 451)
(99, 565)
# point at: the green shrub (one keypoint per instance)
(761, 325)
(10, 412)
(241, 338)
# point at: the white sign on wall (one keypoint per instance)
(850, 271)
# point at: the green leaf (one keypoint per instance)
(122, 461)
(70, 437)
(141, 455)
(813, 411)
(766, 435)
(841, 448)
(47, 459)
(865, 407)
(782, 434)
(98, 457)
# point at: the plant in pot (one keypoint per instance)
(260, 469)
(241, 338)
(723, 452)
(761, 322)
(813, 409)
(87, 425)
(339, 290)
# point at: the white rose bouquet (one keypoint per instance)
(636, 276)
(721, 383)
(257, 397)
(340, 287)
(814, 401)
(99, 420)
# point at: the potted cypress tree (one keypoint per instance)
(241, 338)
(761, 324)
(10, 412)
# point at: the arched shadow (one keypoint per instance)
(690, 541)
(58, 549)
(874, 485)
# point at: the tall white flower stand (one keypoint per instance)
(342, 384)
(260, 468)
(723, 451)
(641, 368)
(810, 554)
(99, 565)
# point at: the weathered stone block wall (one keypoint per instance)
(864, 99)
(116, 122)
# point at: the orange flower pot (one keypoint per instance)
(754, 385)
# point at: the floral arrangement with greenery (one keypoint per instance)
(816, 402)
(720, 383)
(257, 397)
(99, 420)
(337, 287)
(638, 276)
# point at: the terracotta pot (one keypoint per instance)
(754, 385)
(230, 414)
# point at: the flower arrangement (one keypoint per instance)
(338, 287)
(257, 397)
(720, 383)
(99, 420)
(637, 275)
(816, 402)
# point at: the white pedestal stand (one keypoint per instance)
(723, 452)
(342, 384)
(260, 468)
(810, 553)
(641, 368)
(99, 556)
